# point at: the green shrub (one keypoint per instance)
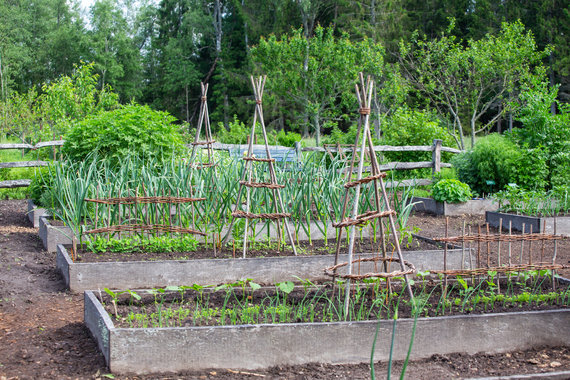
(498, 159)
(337, 136)
(413, 127)
(40, 183)
(237, 134)
(560, 174)
(545, 130)
(451, 191)
(287, 138)
(130, 130)
(529, 168)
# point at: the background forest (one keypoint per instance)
(460, 64)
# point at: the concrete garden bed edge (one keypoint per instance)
(154, 350)
(148, 274)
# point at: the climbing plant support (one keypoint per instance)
(352, 193)
(249, 182)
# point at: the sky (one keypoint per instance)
(85, 4)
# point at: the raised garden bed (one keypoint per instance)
(53, 235)
(537, 223)
(143, 274)
(175, 349)
(34, 213)
(472, 207)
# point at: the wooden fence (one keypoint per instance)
(435, 164)
(25, 164)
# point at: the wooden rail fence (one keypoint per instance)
(435, 164)
(25, 164)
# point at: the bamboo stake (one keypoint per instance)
(445, 257)
(522, 249)
(479, 247)
(345, 199)
(530, 248)
(542, 245)
(510, 234)
(463, 246)
(488, 247)
(470, 256)
(554, 258)
(352, 229)
(499, 254)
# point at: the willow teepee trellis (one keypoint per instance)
(249, 182)
(203, 121)
(364, 95)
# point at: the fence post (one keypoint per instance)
(436, 156)
(298, 150)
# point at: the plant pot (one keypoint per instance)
(53, 235)
(144, 274)
(152, 350)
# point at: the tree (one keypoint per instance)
(113, 51)
(471, 86)
(39, 41)
(317, 75)
(183, 27)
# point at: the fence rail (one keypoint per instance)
(11, 184)
(435, 164)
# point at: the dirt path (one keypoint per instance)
(42, 335)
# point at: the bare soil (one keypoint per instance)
(42, 335)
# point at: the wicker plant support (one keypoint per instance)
(249, 184)
(271, 216)
(145, 227)
(484, 241)
(501, 269)
(365, 180)
(203, 121)
(364, 96)
(256, 159)
(148, 226)
(411, 269)
(144, 200)
(267, 185)
(501, 238)
(363, 218)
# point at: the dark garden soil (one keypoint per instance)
(42, 335)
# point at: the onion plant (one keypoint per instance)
(313, 194)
